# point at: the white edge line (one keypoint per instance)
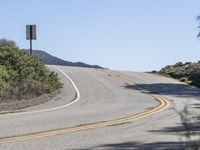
(56, 108)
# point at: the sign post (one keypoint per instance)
(30, 34)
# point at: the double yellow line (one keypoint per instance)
(164, 103)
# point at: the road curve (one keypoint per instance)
(107, 98)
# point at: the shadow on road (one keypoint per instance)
(180, 129)
(141, 146)
(195, 106)
(178, 90)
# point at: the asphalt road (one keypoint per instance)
(86, 122)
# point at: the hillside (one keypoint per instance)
(52, 60)
(186, 72)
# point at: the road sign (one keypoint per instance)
(31, 32)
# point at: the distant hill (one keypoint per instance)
(52, 60)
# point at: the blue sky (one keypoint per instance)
(137, 35)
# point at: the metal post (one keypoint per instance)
(31, 40)
(31, 46)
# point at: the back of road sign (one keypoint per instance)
(31, 32)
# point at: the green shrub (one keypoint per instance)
(188, 72)
(23, 76)
(183, 79)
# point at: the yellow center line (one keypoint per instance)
(164, 104)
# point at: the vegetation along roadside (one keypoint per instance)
(23, 76)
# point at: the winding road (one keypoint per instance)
(102, 109)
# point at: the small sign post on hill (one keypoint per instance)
(30, 34)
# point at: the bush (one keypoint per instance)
(188, 72)
(23, 76)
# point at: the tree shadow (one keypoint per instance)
(181, 130)
(184, 129)
(195, 106)
(178, 90)
(142, 146)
